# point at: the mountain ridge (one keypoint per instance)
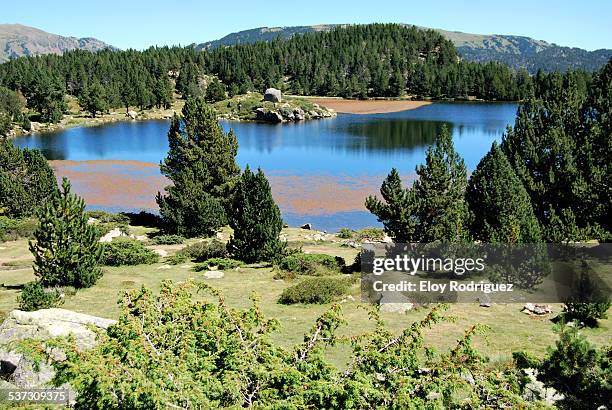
(17, 40)
(516, 51)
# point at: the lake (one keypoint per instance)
(320, 171)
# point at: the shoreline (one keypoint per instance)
(364, 107)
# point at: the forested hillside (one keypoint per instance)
(377, 60)
(515, 51)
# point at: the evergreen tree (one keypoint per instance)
(440, 188)
(215, 91)
(255, 219)
(201, 164)
(66, 248)
(26, 180)
(434, 208)
(162, 92)
(396, 210)
(93, 98)
(501, 208)
(47, 97)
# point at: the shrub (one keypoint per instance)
(370, 234)
(13, 229)
(127, 252)
(311, 264)
(176, 259)
(345, 233)
(579, 371)
(34, 296)
(168, 240)
(201, 251)
(221, 263)
(315, 290)
(586, 314)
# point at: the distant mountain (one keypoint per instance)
(17, 40)
(516, 51)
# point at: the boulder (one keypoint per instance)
(19, 370)
(273, 95)
(113, 233)
(214, 274)
(306, 226)
(393, 307)
(131, 114)
(536, 309)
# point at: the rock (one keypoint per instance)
(298, 114)
(314, 114)
(43, 324)
(214, 274)
(113, 233)
(392, 307)
(161, 252)
(261, 114)
(536, 391)
(535, 309)
(132, 114)
(306, 226)
(485, 301)
(273, 95)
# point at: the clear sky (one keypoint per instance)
(139, 24)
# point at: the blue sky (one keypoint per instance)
(139, 24)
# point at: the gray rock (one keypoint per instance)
(214, 274)
(392, 307)
(43, 324)
(536, 391)
(273, 95)
(536, 309)
(131, 114)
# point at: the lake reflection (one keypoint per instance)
(324, 153)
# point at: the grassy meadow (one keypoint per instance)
(509, 328)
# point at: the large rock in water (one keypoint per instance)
(273, 95)
(43, 324)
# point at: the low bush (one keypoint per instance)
(13, 229)
(202, 251)
(370, 234)
(315, 290)
(220, 263)
(34, 296)
(345, 233)
(168, 240)
(312, 264)
(586, 314)
(176, 259)
(127, 252)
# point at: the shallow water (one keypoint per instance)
(320, 171)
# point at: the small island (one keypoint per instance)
(270, 107)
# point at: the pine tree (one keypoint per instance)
(434, 208)
(215, 91)
(93, 98)
(256, 220)
(440, 189)
(26, 180)
(201, 164)
(397, 210)
(66, 248)
(501, 207)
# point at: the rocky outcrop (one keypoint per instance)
(287, 112)
(17, 369)
(273, 95)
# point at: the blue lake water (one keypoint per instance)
(349, 149)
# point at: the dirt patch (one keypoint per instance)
(369, 106)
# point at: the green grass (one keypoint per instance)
(510, 330)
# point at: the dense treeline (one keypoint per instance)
(377, 60)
